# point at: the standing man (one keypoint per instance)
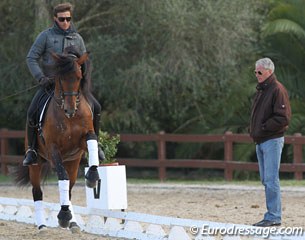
(270, 117)
(41, 65)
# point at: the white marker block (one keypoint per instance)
(111, 190)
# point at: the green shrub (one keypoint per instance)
(109, 144)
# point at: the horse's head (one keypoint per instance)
(68, 78)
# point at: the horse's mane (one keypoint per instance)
(65, 64)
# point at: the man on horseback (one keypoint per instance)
(53, 40)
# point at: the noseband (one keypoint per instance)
(63, 94)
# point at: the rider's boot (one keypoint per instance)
(31, 153)
(96, 125)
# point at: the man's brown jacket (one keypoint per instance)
(271, 111)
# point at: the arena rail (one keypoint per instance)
(228, 164)
(132, 225)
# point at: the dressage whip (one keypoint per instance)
(18, 93)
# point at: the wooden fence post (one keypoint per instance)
(3, 151)
(228, 154)
(297, 157)
(161, 156)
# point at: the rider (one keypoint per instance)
(55, 39)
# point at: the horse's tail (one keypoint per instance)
(21, 174)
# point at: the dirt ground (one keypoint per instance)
(226, 203)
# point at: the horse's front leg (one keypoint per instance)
(64, 216)
(72, 170)
(92, 175)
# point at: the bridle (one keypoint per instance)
(62, 94)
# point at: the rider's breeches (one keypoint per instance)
(38, 100)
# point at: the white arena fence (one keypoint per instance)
(132, 225)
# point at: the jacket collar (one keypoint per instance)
(265, 84)
(57, 29)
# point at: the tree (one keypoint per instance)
(171, 65)
(283, 38)
(15, 78)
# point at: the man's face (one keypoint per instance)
(63, 20)
(262, 74)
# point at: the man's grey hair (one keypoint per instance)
(265, 63)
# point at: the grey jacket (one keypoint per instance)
(39, 58)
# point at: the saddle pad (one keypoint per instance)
(43, 111)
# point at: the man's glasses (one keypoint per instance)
(258, 72)
(62, 19)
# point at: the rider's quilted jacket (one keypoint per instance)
(39, 58)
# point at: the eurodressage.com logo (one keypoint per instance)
(206, 230)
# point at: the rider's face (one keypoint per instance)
(63, 20)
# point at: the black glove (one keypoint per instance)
(46, 81)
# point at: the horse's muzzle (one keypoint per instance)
(70, 113)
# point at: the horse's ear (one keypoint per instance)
(55, 56)
(83, 58)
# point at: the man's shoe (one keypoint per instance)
(30, 158)
(266, 223)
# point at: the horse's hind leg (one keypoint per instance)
(34, 172)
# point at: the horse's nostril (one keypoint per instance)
(69, 113)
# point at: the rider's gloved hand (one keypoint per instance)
(46, 81)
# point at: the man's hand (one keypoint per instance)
(45, 81)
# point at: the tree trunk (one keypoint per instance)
(42, 15)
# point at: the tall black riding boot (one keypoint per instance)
(31, 153)
(96, 125)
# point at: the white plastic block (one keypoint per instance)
(11, 210)
(178, 233)
(199, 237)
(112, 224)
(52, 220)
(133, 226)
(25, 215)
(80, 221)
(155, 230)
(25, 212)
(231, 238)
(111, 190)
(95, 225)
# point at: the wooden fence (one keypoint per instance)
(162, 163)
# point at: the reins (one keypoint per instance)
(18, 93)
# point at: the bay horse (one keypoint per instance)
(67, 132)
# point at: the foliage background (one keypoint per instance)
(176, 65)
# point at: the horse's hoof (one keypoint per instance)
(63, 223)
(64, 218)
(92, 177)
(74, 228)
(91, 184)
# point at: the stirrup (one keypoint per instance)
(30, 160)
